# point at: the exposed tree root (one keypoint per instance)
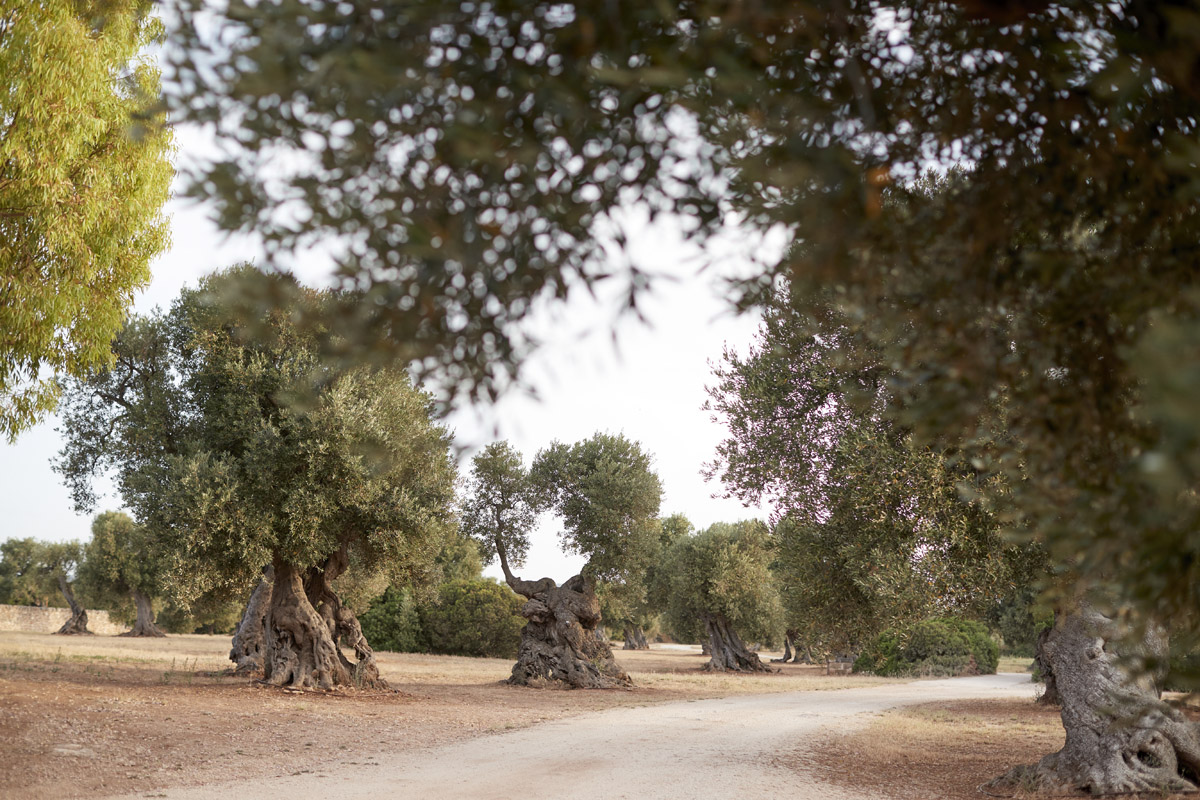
(1121, 737)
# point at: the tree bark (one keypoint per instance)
(559, 645)
(1120, 736)
(635, 638)
(342, 623)
(144, 624)
(787, 651)
(728, 651)
(77, 624)
(248, 644)
(303, 622)
(1041, 659)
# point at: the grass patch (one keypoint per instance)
(943, 750)
(1015, 664)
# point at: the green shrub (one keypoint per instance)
(476, 617)
(882, 656)
(393, 623)
(943, 646)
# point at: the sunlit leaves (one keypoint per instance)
(84, 173)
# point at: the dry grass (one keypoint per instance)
(940, 751)
(1015, 664)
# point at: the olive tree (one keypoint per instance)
(122, 562)
(721, 577)
(236, 453)
(31, 571)
(607, 496)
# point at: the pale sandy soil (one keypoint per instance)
(747, 745)
(96, 716)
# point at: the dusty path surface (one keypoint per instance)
(700, 749)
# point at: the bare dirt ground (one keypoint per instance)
(97, 716)
(945, 750)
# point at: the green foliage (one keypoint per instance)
(233, 453)
(608, 497)
(1039, 312)
(467, 617)
(22, 581)
(1018, 620)
(945, 646)
(392, 622)
(500, 504)
(121, 557)
(476, 617)
(84, 174)
(723, 570)
(874, 529)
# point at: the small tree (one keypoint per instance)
(122, 562)
(476, 617)
(22, 582)
(722, 578)
(60, 562)
(607, 495)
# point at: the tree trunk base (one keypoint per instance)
(559, 646)
(303, 623)
(635, 638)
(729, 652)
(248, 648)
(75, 626)
(1120, 737)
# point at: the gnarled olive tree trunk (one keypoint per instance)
(787, 650)
(635, 638)
(559, 645)
(303, 623)
(143, 625)
(728, 651)
(77, 624)
(248, 644)
(1120, 736)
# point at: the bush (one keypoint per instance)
(476, 617)
(393, 623)
(942, 646)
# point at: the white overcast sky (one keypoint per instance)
(646, 382)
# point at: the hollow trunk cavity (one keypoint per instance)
(248, 644)
(728, 651)
(635, 638)
(144, 624)
(1120, 737)
(77, 624)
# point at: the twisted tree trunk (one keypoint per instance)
(1041, 659)
(303, 622)
(729, 652)
(1120, 736)
(144, 624)
(787, 650)
(77, 624)
(635, 638)
(559, 645)
(248, 644)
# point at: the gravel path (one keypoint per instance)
(700, 749)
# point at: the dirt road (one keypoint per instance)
(701, 749)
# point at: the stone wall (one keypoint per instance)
(31, 619)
